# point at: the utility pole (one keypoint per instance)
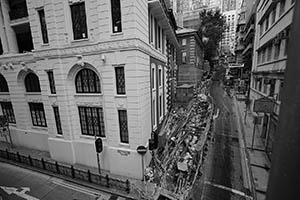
(284, 181)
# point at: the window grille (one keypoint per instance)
(79, 21)
(37, 114)
(87, 81)
(8, 112)
(123, 126)
(92, 121)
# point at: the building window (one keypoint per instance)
(37, 114)
(277, 49)
(263, 55)
(160, 105)
(154, 112)
(43, 26)
(183, 57)
(120, 80)
(282, 7)
(151, 28)
(8, 112)
(57, 120)
(3, 84)
(280, 90)
(267, 23)
(273, 15)
(79, 20)
(91, 120)
(183, 42)
(87, 81)
(32, 83)
(159, 37)
(123, 126)
(116, 16)
(269, 52)
(153, 77)
(159, 77)
(51, 82)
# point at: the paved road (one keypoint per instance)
(222, 172)
(18, 184)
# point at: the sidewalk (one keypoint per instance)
(134, 184)
(259, 162)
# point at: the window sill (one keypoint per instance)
(88, 95)
(40, 128)
(45, 44)
(4, 93)
(124, 145)
(59, 136)
(80, 40)
(52, 95)
(120, 96)
(89, 137)
(33, 93)
(116, 34)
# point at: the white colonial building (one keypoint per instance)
(73, 70)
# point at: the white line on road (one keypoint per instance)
(228, 189)
(81, 189)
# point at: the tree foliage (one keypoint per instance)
(212, 26)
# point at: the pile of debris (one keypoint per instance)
(176, 164)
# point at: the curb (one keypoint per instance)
(77, 182)
(247, 176)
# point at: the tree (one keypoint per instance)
(212, 26)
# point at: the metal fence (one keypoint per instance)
(66, 171)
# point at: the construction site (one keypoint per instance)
(176, 163)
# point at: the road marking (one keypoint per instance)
(16, 191)
(228, 189)
(100, 196)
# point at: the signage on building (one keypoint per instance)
(264, 105)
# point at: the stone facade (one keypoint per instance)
(100, 51)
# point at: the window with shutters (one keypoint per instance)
(123, 126)
(37, 114)
(79, 20)
(32, 83)
(8, 112)
(87, 81)
(92, 121)
(57, 120)
(43, 25)
(116, 16)
(120, 80)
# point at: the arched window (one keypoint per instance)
(32, 83)
(3, 84)
(87, 81)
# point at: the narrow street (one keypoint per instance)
(17, 183)
(222, 173)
